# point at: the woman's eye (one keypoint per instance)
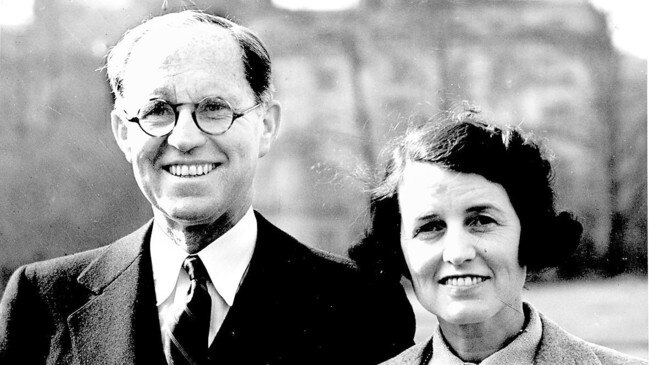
(430, 228)
(481, 221)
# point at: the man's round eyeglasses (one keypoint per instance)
(211, 115)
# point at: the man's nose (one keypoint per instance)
(459, 246)
(186, 135)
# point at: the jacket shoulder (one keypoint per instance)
(275, 242)
(57, 272)
(323, 271)
(371, 316)
(613, 357)
(39, 298)
(559, 346)
(45, 274)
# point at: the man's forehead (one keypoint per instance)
(161, 43)
(165, 55)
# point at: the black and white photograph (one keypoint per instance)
(396, 182)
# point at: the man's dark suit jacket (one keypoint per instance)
(296, 305)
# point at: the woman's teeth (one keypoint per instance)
(191, 170)
(463, 280)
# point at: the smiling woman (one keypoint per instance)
(460, 237)
(465, 209)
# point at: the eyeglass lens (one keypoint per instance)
(213, 115)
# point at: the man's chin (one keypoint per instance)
(189, 215)
(198, 210)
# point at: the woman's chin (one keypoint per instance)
(463, 314)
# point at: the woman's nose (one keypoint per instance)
(186, 136)
(459, 247)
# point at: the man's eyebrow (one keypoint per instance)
(481, 208)
(159, 94)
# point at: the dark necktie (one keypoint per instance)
(186, 341)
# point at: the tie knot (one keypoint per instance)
(195, 268)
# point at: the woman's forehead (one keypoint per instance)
(424, 184)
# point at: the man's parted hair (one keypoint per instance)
(466, 144)
(255, 56)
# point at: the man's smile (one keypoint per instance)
(190, 170)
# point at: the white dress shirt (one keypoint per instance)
(226, 260)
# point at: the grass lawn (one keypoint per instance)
(612, 313)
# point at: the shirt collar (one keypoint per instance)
(226, 259)
(520, 351)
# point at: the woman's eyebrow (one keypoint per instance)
(481, 208)
(427, 217)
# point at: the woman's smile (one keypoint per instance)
(464, 281)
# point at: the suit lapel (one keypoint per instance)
(119, 324)
(258, 294)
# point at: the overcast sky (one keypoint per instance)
(628, 18)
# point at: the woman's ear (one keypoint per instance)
(121, 133)
(272, 119)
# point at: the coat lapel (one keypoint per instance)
(119, 324)
(258, 296)
(556, 347)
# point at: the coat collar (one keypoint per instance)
(119, 323)
(556, 347)
(115, 260)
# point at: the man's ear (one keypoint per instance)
(120, 132)
(271, 122)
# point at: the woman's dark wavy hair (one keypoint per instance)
(466, 144)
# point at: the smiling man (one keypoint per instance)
(208, 279)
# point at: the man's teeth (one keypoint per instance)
(463, 281)
(191, 170)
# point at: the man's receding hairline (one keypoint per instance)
(157, 27)
(188, 37)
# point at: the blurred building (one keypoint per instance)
(352, 79)
(348, 80)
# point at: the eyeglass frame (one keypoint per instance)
(235, 115)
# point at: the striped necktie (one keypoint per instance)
(186, 340)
